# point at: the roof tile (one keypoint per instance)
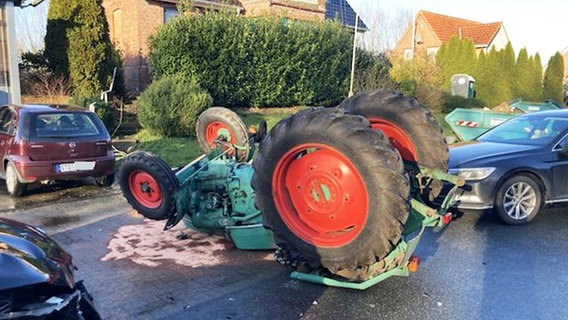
(447, 27)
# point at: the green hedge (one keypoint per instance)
(264, 62)
(170, 106)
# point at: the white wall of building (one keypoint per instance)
(10, 90)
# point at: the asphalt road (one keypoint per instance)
(476, 268)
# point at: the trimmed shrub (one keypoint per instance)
(263, 62)
(451, 102)
(170, 105)
(372, 72)
(429, 97)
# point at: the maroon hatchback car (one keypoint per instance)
(53, 142)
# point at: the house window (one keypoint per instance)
(407, 54)
(169, 13)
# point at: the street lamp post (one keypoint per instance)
(353, 57)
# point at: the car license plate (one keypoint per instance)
(75, 166)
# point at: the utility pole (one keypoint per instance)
(354, 50)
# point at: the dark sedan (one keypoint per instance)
(516, 168)
(37, 277)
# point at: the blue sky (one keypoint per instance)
(539, 26)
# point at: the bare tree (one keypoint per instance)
(386, 26)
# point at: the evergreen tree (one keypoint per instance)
(483, 77)
(553, 76)
(56, 42)
(457, 56)
(498, 88)
(79, 45)
(535, 91)
(522, 76)
(467, 56)
(507, 65)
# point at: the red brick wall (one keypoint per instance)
(429, 39)
(131, 22)
(289, 9)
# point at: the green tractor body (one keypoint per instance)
(345, 198)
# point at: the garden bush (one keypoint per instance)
(451, 102)
(263, 62)
(170, 105)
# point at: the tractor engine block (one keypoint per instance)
(221, 196)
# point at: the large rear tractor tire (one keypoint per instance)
(411, 129)
(332, 189)
(148, 184)
(222, 124)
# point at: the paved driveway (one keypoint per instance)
(477, 268)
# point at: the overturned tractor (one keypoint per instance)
(341, 192)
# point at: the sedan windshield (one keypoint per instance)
(533, 129)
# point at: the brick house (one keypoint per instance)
(131, 22)
(429, 31)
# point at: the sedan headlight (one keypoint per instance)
(470, 174)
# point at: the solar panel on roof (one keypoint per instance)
(344, 13)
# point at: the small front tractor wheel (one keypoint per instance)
(332, 189)
(222, 124)
(148, 184)
(411, 129)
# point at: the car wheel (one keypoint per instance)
(518, 200)
(13, 185)
(105, 181)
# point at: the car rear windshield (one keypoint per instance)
(65, 125)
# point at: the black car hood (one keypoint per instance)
(472, 152)
(28, 256)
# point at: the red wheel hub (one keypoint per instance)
(145, 189)
(218, 130)
(398, 138)
(320, 195)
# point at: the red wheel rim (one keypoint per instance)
(145, 189)
(320, 195)
(216, 130)
(398, 138)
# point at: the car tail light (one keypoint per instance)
(21, 148)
